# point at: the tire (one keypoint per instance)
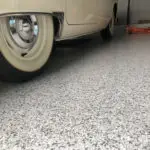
(108, 32)
(25, 43)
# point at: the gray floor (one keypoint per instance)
(93, 96)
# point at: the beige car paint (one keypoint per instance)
(81, 11)
(74, 31)
(43, 6)
(88, 11)
(81, 17)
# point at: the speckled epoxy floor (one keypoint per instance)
(91, 97)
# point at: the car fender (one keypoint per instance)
(26, 6)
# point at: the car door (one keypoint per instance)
(81, 11)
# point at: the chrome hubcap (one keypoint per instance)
(24, 31)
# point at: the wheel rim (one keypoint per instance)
(24, 32)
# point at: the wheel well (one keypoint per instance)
(115, 9)
(58, 19)
(56, 26)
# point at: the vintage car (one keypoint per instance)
(28, 29)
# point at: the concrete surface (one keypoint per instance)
(93, 96)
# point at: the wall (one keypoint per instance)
(122, 12)
(140, 10)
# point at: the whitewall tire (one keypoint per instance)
(25, 43)
(108, 32)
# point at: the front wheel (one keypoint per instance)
(25, 44)
(108, 32)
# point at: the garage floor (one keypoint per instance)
(93, 96)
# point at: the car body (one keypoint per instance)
(69, 19)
